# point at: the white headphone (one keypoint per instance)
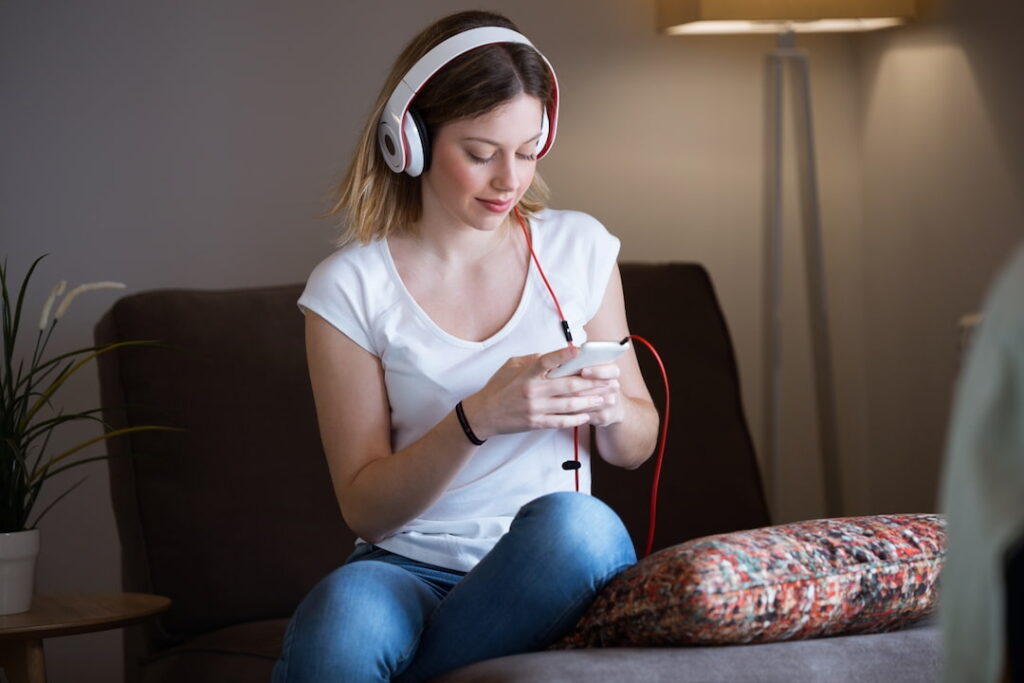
(401, 133)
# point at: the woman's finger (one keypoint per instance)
(572, 404)
(603, 371)
(553, 359)
(566, 386)
(603, 388)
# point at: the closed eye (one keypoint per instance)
(484, 160)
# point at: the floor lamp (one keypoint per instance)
(785, 18)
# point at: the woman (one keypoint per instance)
(429, 338)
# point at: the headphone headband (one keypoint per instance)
(397, 134)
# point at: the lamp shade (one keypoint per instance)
(766, 16)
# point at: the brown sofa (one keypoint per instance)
(235, 519)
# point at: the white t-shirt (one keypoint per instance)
(427, 371)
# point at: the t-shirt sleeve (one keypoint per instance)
(337, 292)
(603, 254)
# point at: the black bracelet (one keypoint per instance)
(459, 413)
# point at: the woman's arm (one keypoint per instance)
(626, 427)
(379, 490)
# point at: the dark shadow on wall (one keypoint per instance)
(990, 34)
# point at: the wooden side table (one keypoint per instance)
(63, 614)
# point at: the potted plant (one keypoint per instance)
(28, 418)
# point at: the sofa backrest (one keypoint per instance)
(710, 481)
(235, 518)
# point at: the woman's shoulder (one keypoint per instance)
(575, 230)
(350, 289)
(354, 273)
(352, 262)
(568, 219)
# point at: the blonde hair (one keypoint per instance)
(378, 202)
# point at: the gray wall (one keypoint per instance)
(189, 144)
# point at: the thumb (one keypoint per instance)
(553, 359)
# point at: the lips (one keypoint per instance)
(496, 205)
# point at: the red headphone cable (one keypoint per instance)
(575, 463)
(533, 255)
(656, 479)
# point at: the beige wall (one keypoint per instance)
(188, 144)
(942, 209)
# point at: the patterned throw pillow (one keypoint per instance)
(803, 580)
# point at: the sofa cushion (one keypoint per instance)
(243, 652)
(911, 655)
(793, 581)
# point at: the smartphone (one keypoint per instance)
(591, 353)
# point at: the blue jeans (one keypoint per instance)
(382, 617)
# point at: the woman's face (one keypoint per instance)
(482, 166)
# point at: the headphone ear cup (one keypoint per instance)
(417, 143)
(389, 141)
(545, 130)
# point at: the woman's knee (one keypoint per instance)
(582, 524)
(576, 511)
(360, 622)
(376, 596)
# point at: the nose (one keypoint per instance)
(505, 176)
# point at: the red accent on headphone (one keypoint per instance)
(576, 430)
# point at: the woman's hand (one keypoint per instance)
(520, 397)
(612, 410)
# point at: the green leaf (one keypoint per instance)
(44, 473)
(34, 432)
(54, 502)
(13, 335)
(56, 384)
(101, 348)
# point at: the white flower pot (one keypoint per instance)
(18, 552)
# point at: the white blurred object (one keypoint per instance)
(968, 326)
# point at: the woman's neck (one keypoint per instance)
(451, 246)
